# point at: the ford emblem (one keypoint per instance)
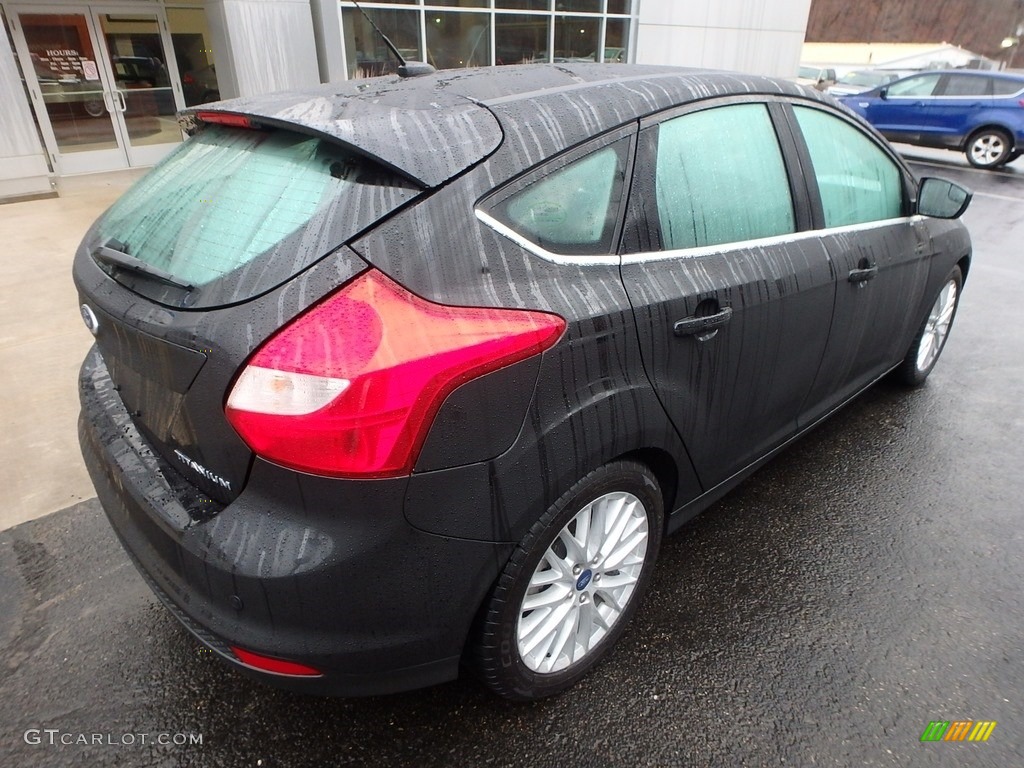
(91, 321)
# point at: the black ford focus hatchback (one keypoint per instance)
(402, 374)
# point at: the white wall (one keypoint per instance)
(23, 168)
(761, 37)
(262, 46)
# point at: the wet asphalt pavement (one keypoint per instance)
(864, 583)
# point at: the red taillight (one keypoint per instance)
(270, 664)
(351, 387)
(225, 118)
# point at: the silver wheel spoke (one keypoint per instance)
(609, 599)
(575, 551)
(583, 583)
(548, 626)
(551, 596)
(584, 631)
(617, 581)
(549, 576)
(565, 633)
(937, 326)
(616, 557)
(620, 515)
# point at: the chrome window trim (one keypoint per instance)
(610, 260)
(764, 242)
(605, 259)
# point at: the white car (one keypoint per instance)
(861, 80)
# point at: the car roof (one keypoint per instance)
(1000, 74)
(431, 128)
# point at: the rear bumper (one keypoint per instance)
(323, 572)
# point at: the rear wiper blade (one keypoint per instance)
(112, 253)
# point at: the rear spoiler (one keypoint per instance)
(430, 138)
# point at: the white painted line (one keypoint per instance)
(1000, 197)
(955, 167)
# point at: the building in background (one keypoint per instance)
(89, 87)
(987, 27)
(904, 57)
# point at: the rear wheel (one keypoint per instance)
(988, 148)
(931, 338)
(572, 584)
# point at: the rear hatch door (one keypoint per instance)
(238, 231)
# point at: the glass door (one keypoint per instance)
(59, 55)
(145, 90)
(103, 84)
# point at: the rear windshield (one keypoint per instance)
(234, 212)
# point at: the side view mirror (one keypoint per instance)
(883, 93)
(942, 199)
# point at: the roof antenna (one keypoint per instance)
(405, 68)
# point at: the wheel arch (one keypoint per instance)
(965, 266)
(990, 126)
(642, 432)
(665, 470)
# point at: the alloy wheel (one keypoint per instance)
(937, 326)
(583, 583)
(988, 149)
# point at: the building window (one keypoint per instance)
(521, 38)
(451, 34)
(458, 40)
(366, 53)
(193, 51)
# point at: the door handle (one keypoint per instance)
(108, 105)
(863, 275)
(124, 104)
(692, 326)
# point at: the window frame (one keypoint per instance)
(485, 206)
(909, 184)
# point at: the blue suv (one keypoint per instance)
(978, 113)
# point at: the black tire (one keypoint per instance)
(921, 359)
(988, 148)
(498, 659)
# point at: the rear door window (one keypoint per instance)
(570, 206)
(967, 85)
(720, 178)
(235, 212)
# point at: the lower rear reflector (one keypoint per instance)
(274, 666)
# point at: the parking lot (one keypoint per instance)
(865, 583)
